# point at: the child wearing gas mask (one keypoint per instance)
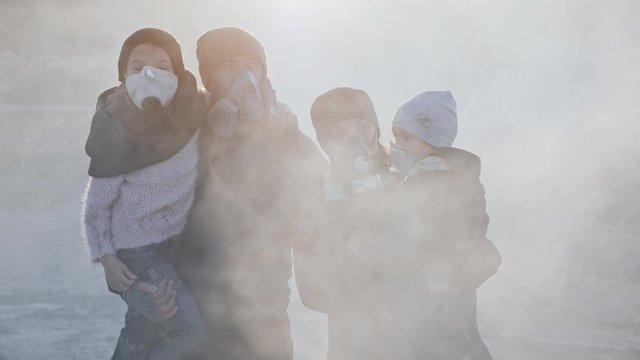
(143, 151)
(440, 211)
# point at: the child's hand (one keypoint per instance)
(118, 275)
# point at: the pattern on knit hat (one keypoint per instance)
(431, 116)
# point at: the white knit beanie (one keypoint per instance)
(431, 116)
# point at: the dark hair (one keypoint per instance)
(155, 37)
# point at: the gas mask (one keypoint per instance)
(245, 100)
(362, 161)
(401, 159)
(408, 164)
(151, 84)
(357, 154)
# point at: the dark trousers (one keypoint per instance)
(145, 335)
(467, 307)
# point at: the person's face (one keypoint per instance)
(340, 135)
(148, 55)
(417, 147)
(223, 75)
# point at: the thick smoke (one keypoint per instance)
(547, 95)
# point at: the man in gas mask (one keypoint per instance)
(255, 193)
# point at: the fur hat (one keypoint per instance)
(341, 104)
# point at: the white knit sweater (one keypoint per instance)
(142, 207)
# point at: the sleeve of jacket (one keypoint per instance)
(466, 219)
(478, 258)
(464, 208)
(480, 261)
(311, 255)
(98, 200)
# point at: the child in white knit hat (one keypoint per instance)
(442, 221)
